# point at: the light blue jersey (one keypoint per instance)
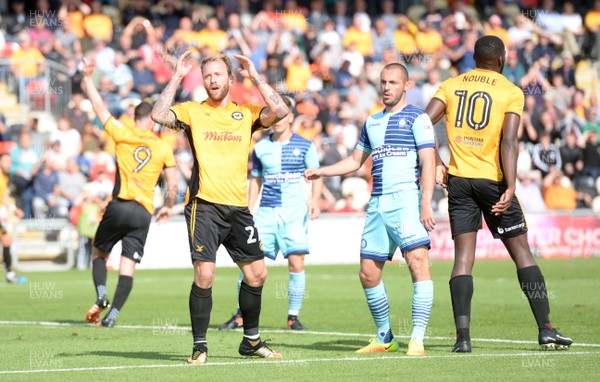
(393, 140)
(281, 167)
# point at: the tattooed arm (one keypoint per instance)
(276, 110)
(161, 112)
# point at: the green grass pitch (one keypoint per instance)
(43, 336)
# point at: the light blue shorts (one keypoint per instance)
(393, 221)
(282, 229)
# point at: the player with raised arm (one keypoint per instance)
(399, 213)
(482, 110)
(279, 161)
(141, 158)
(219, 133)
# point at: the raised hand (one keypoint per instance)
(182, 68)
(88, 66)
(247, 70)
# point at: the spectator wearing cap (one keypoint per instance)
(513, 69)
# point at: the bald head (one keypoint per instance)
(490, 53)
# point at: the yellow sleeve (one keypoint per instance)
(516, 101)
(441, 93)
(255, 116)
(182, 114)
(115, 129)
(170, 158)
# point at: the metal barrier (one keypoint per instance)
(49, 92)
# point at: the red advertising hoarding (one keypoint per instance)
(550, 236)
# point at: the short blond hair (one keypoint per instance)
(217, 57)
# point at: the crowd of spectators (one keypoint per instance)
(328, 55)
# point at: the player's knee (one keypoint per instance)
(204, 278)
(367, 279)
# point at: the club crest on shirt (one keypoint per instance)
(237, 115)
(402, 122)
(296, 152)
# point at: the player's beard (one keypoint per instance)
(393, 101)
(222, 93)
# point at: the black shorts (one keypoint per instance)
(125, 220)
(210, 225)
(469, 198)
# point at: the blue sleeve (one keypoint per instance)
(256, 165)
(423, 132)
(311, 159)
(364, 144)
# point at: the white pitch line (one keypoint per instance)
(277, 331)
(299, 361)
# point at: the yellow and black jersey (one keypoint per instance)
(220, 139)
(141, 157)
(476, 103)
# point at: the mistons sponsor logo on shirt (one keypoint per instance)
(282, 177)
(222, 136)
(385, 151)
